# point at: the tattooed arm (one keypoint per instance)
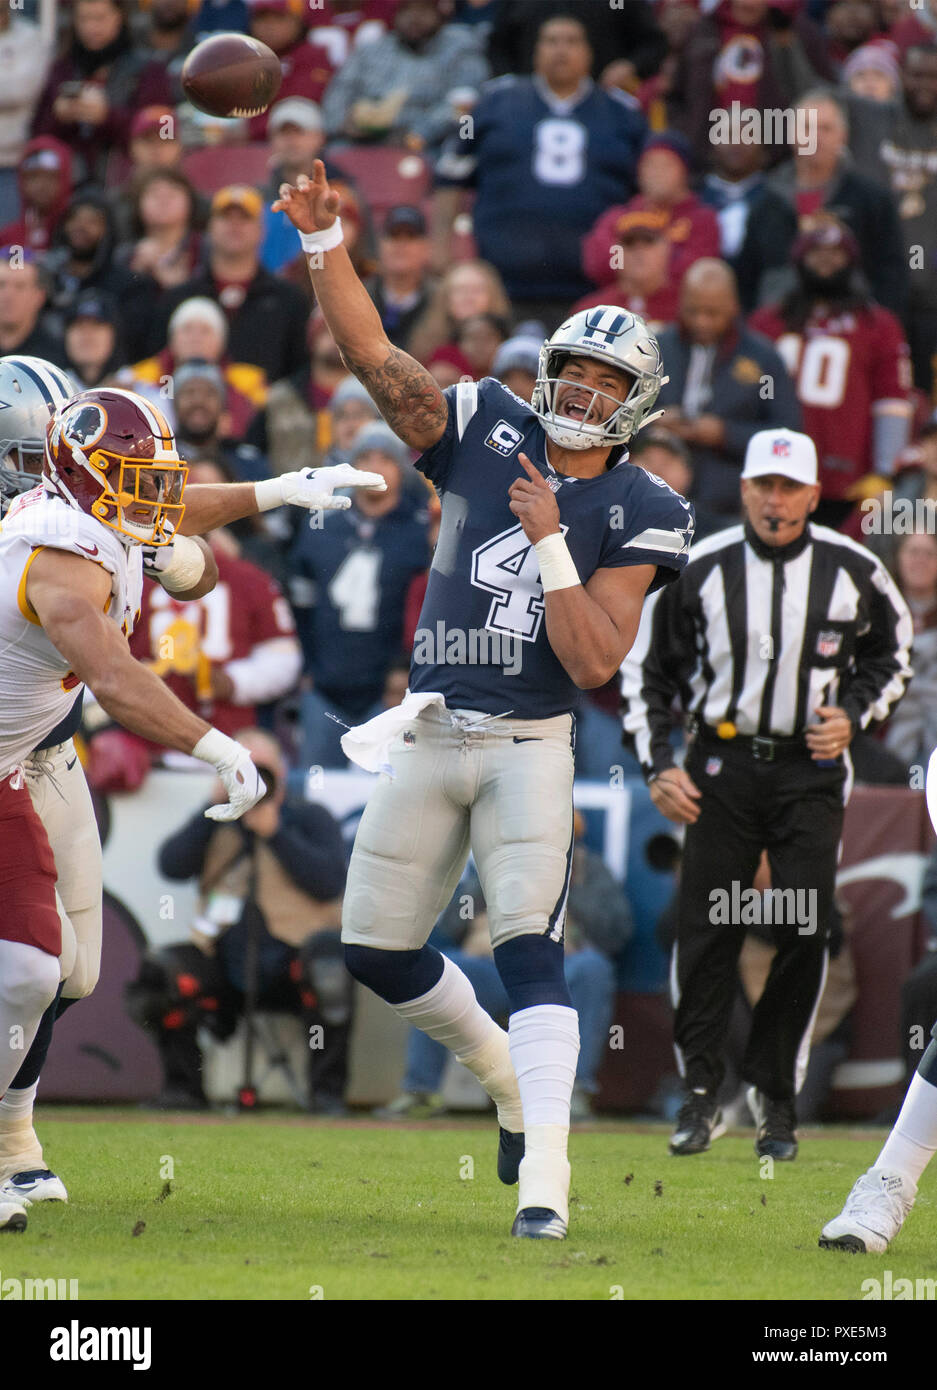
(404, 391)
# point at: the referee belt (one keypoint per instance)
(763, 749)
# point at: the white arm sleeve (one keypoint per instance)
(272, 669)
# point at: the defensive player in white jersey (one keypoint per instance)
(881, 1199)
(30, 392)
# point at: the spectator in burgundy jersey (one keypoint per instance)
(307, 67)
(93, 90)
(643, 281)
(169, 37)
(820, 177)
(45, 183)
(849, 25)
(758, 54)
(849, 360)
(154, 141)
(447, 365)
(911, 732)
(663, 181)
(479, 339)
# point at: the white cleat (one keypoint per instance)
(12, 1215)
(34, 1185)
(873, 1215)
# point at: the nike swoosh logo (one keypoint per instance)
(527, 740)
(69, 766)
(92, 553)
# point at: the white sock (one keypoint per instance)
(913, 1141)
(18, 1105)
(544, 1049)
(450, 1013)
(29, 979)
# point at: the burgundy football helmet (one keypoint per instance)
(112, 454)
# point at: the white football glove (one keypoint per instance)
(313, 488)
(242, 781)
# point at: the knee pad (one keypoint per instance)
(324, 978)
(531, 970)
(395, 976)
(29, 978)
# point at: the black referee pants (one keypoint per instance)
(793, 809)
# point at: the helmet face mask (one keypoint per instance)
(620, 340)
(112, 454)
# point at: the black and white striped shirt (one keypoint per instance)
(761, 636)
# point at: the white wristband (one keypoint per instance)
(186, 567)
(268, 494)
(216, 748)
(557, 569)
(326, 240)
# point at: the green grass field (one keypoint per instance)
(278, 1207)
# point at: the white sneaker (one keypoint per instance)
(873, 1215)
(12, 1215)
(34, 1185)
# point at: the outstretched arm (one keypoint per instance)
(404, 391)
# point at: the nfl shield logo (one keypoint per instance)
(713, 767)
(781, 448)
(409, 738)
(829, 643)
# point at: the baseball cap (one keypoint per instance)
(153, 120)
(651, 221)
(238, 195)
(93, 304)
(379, 436)
(298, 111)
(785, 452)
(197, 369)
(404, 218)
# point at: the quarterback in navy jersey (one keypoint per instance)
(550, 541)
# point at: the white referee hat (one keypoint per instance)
(785, 452)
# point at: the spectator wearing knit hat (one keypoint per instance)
(872, 72)
(517, 364)
(351, 577)
(266, 316)
(663, 182)
(198, 330)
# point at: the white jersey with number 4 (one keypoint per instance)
(37, 686)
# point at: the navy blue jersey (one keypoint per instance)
(544, 171)
(482, 638)
(348, 587)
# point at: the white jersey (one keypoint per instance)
(37, 687)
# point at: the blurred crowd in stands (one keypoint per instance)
(756, 178)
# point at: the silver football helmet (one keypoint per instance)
(31, 391)
(606, 334)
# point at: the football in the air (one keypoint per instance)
(231, 75)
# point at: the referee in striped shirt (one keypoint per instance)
(779, 641)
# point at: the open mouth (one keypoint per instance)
(575, 409)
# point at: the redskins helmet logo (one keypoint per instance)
(84, 425)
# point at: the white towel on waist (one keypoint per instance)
(368, 744)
